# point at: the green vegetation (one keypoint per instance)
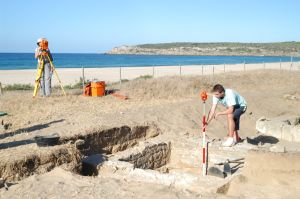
(144, 77)
(77, 85)
(291, 46)
(124, 80)
(224, 48)
(24, 87)
(18, 87)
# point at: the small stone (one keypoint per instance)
(79, 143)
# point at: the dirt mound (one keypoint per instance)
(17, 167)
(167, 87)
(268, 175)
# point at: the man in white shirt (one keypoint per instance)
(235, 105)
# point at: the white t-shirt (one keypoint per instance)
(231, 98)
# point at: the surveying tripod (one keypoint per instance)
(40, 73)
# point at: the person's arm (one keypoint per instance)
(211, 113)
(230, 98)
(37, 53)
(229, 110)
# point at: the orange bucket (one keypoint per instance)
(98, 89)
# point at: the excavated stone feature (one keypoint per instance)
(112, 140)
(18, 168)
(151, 155)
(36, 160)
(282, 128)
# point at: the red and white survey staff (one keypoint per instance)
(203, 96)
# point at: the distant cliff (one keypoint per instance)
(226, 49)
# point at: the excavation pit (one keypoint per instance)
(146, 155)
(38, 160)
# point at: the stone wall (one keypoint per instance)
(153, 156)
(282, 128)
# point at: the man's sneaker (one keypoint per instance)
(229, 142)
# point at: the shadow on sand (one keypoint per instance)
(29, 129)
(24, 130)
(263, 139)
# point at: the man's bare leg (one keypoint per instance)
(237, 137)
(231, 125)
(230, 141)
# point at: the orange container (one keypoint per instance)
(98, 89)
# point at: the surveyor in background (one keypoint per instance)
(41, 55)
(235, 106)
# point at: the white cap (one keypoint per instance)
(40, 39)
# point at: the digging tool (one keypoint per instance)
(215, 171)
(203, 96)
(240, 160)
(2, 113)
(227, 168)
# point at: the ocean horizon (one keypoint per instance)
(19, 61)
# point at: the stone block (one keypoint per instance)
(282, 128)
(278, 149)
(295, 131)
(286, 133)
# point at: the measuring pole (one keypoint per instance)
(203, 96)
(120, 74)
(0, 88)
(180, 70)
(153, 71)
(280, 65)
(83, 79)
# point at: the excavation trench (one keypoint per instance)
(152, 154)
(131, 152)
(70, 151)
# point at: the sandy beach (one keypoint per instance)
(72, 75)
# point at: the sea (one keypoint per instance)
(19, 61)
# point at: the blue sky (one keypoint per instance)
(97, 26)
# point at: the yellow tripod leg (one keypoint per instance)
(38, 77)
(53, 69)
